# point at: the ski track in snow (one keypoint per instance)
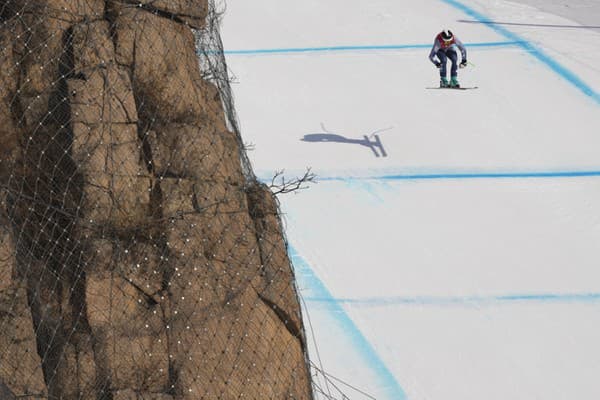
(357, 48)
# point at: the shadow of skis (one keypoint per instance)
(375, 145)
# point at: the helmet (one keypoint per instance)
(446, 35)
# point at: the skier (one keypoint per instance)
(444, 48)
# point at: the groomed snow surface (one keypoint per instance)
(459, 259)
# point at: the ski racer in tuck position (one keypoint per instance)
(444, 48)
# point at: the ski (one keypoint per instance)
(455, 88)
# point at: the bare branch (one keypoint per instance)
(280, 185)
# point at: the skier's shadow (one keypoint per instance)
(375, 144)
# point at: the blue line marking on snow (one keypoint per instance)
(357, 48)
(530, 48)
(465, 301)
(307, 278)
(469, 175)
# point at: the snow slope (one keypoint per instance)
(462, 265)
(585, 12)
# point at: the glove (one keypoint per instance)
(438, 64)
(463, 64)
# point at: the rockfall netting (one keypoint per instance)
(139, 256)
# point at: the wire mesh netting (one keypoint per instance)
(140, 258)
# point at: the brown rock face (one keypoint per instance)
(138, 258)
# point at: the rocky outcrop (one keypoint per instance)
(137, 259)
(20, 363)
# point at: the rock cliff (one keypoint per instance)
(138, 257)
